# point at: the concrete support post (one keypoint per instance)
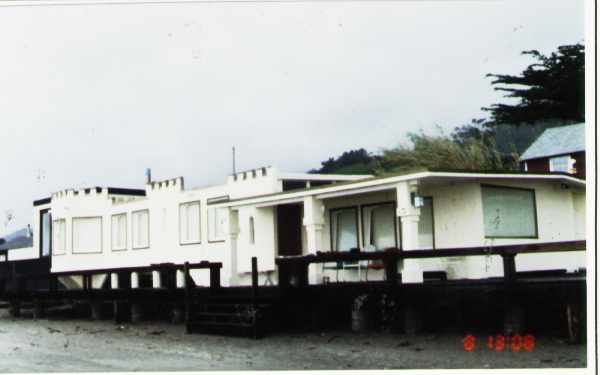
(39, 310)
(411, 270)
(231, 242)
(180, 279)
(121, 311)
(156, 281)
(409, 219)
(15, 308)
(177, 315)
(136, 312)
(314, 221)
(114, 281)
(412, 320)
(96, 307)
(135, 280)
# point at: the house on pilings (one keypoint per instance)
(269, 215)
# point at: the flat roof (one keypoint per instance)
(388, 182)
(322, 177)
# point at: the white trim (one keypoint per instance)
(388, 186)
(281, 201)
(322, 177)
(383, 183)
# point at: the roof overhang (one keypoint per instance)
(388, 183)
(322, 177)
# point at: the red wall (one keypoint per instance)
(543, 164)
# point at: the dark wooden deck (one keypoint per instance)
(296, 303)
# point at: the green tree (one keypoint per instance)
(350, 162)
(441, 152)
(550, 89)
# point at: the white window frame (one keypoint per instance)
(134, 229)
(79, 251)
(560, 160)
(112, 228)
(213, 224)
(427, 201)
(185, 224)
(368, 209)
(56, 248)
(533, 235)
(333, 230)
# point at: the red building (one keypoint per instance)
(558, 149)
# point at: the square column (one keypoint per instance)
(409, 218)
(114, 280)
(180, 279)
(314, 222)
(156, 282)
(135, 280)
(233, 231)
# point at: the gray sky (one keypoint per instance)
(92, 95)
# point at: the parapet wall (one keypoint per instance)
(171, 185)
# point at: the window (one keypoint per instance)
(379, 226)
(87, 235)
(344, 229)
(217, 222)
(508, 212)
(45, 232)
(560, 164)
(426, 228)
(119, 232)
(189, 223)
(251, 226)
(59, 234)
(140, 221)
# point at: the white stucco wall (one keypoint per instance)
(23, 253)
(458, 222)
(458, 215)
(162, 202)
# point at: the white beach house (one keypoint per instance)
(269, 214)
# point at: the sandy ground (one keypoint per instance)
(59, 345)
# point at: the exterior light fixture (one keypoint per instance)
(416, 200)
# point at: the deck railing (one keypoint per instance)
(296, 267)
(52, 277)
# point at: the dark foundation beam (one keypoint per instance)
(122, 311)
(254, 281)
(39, 310)
(136, 312)
(15, 308)
(215, 278)
(177, 315)
(513, 312)
(96, 307)
(187, 298)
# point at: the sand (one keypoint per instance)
(79, 345)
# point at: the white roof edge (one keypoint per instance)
(323, 176)
(525, 176)
(361, 186)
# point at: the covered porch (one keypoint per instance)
(391, 216)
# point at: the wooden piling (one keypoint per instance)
(513, 312)
(96, 307)
(136, 312)
(187, 295)
(38, 309)
(15, 308)
(254, 282)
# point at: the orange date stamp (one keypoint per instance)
(499, 343)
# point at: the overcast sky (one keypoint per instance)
(92, 95)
